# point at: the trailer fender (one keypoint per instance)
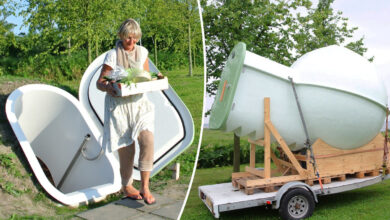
(287, 187)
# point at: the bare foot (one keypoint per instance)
(147, 196)
(131, 192)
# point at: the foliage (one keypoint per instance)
(278, 30)
(222, 155)
(6, 161)
(324, 27)
(59, 30)
(6, 35)
(10, 188)
(46, 67)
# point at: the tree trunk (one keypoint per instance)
(189, 51)
(69, 46)
(194, 55)
(155, 52)
(89, 49)
(236, 154)
(88, 33)
(96, 47)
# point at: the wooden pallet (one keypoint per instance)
(245, 180)
(333, 164)
(343, 177)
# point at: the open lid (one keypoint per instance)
(174, 128)
(227, 87)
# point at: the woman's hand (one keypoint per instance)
(103, 84)
(110, 89)
(160, 76)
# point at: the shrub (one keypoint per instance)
(220, 155)
(47, 66)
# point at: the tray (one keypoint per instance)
(123, 90)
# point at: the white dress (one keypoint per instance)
(126, 117)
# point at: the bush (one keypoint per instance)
(214, 156)
(47, 66)
(168, 60)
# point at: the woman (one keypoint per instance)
(129, 117)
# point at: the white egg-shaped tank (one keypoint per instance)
(342, 99)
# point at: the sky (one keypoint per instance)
(372, 18)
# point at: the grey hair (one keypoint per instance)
(128, 27)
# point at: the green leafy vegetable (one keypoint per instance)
(135, 75)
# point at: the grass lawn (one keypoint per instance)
(366, 203)
(216, 137)
(190, 90)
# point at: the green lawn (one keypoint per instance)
(366, 203)
(190, 90)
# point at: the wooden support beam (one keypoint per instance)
(286, 171)
(359, 175)
(240, 175)
(267, 140)
(285, 148)
(326, 180)
(236, 154)
(279, 180)
(300, 157)
(342, 177)
(347, 153)
(259, 142)
(277, 163)
(255, 171)
(285, 163)
(259, 173)
(252, 159)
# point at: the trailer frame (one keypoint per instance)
(322, 169)
(224, 197)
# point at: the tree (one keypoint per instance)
(74, 23)
(324, 27)
(263, 25)
(191, 20)
(6, 35)
(159, 24)
(67, 26)
(273, 29)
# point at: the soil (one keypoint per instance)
(30, 199)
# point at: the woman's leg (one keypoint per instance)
(146, 143)
(126, 162)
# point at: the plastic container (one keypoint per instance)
(342, 99)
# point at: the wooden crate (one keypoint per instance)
(332, 161)
(332, 164)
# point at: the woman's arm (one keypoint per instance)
(146, 68)
(102, 84)
(146, 64)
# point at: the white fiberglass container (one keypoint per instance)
(342, 99)
(51, 125)
(174, 127)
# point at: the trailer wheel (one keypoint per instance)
(297, 203)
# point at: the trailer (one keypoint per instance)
(300, 176)
(325, 118)
(295, 200)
